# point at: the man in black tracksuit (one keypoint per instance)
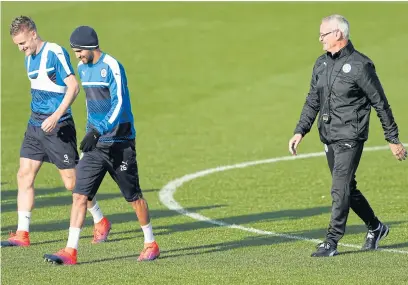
(343, 89)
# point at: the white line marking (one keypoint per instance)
(166, 196)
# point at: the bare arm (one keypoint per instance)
(70, 95)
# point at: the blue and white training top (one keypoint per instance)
(47, 71)
(107, 100)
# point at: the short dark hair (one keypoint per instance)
(20, 24)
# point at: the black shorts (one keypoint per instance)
(119, 161)
(58, 147)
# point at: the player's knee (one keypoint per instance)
(70, 184)
(79, 199)
(25, 177)
(68, 176)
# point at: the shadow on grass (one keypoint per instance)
(115, 219)
(216, 247)
(397, 245)
(42, 200)
(156, 214)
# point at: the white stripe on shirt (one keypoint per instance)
(114, 66)
(36, 71)
(95, 83)
(60, 55)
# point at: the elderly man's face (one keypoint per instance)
(329, 35)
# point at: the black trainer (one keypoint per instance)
(325, 249)
(374, 236)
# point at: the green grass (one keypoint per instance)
(212, 84)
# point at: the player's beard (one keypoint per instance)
(91, 57)
(88, 59)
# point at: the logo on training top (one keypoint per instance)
(346, 68)
(103, 72)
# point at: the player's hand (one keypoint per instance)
(89, 141)
(50, 123)
(399, 151)
(294, 142)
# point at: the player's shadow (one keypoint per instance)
(246, 242)
(195, 225)
(125, 217)
(242, 219)
(216, 247)
(391, 246)
(115, 219)
(397, 245)
(251, 242)
(236, 244)
(246, 219)
(43, 198)
(167, 228)
(350, 229)
(130, 256)
(12, 194)
(224, 246)
(278, 215)
(270, 240)
(201, 249)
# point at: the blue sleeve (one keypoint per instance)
(112, 118)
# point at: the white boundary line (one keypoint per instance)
(166, 196)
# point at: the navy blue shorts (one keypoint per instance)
(119, 161)
(58, 147)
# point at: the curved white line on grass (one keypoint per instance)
(166, 195)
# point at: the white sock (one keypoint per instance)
(23, 221)
(73, 237)
(148, 233)
(96, 213)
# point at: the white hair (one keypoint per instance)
(340, 22)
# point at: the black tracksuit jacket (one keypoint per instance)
(349, 77)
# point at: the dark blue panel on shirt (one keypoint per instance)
(97, 92)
